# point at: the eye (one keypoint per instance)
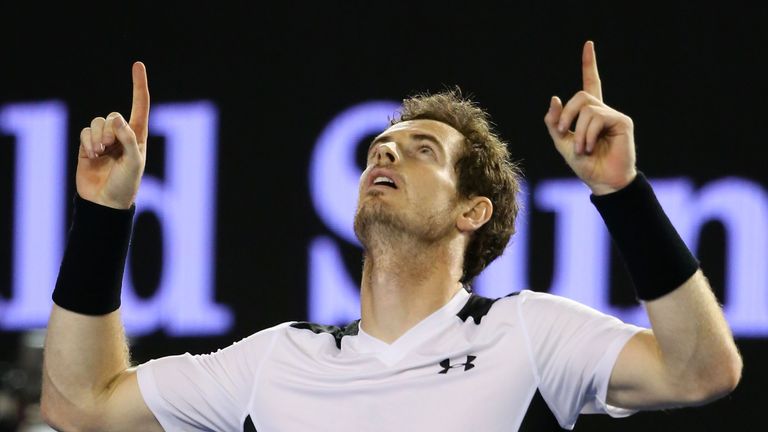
(426, 149)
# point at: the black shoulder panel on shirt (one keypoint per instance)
(337, 332)
(478, 306)
(248, 425)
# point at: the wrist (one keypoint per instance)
(91, 272)
(104, 201)
(657, 258)
(599, 189)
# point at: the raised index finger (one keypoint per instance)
(589, 73)
(140, 107)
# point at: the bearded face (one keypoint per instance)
(408, 190)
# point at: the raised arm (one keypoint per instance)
(87, 383)
(689, 357)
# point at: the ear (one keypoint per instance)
(478, 211)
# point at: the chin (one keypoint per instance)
(371, 204)
(374, 215)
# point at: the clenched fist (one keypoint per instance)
(113, 152)
(601, 147)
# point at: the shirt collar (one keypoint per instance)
(365, 343)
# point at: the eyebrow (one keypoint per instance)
(421, 136)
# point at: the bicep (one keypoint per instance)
(124, 409)
(639, 379)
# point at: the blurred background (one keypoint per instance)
(261, 113)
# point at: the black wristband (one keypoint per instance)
(91, 272)
(657, 258)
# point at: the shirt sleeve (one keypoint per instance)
(207, 392)
(574, 348)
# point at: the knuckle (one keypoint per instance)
(98, 121)
(589, 110)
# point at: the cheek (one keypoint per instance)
(446, 184)
(438, 190)
(361, 181)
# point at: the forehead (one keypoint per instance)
(445, 134)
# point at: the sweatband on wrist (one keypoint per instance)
(91, 272)
(657, 258)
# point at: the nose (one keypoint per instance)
(386, 152)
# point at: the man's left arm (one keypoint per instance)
(689, 357)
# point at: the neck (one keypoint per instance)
(405, 281)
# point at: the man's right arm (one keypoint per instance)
(87, 383)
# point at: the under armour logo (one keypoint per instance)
(446, 364)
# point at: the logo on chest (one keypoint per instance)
(446, 364)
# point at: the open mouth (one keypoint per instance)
(384, 181)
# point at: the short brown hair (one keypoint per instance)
(485, 169)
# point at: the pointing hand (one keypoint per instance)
(601, 147)
(113, 152)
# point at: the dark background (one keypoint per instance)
(692, 77)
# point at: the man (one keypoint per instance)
(436, 205)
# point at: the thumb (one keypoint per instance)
(551, 119)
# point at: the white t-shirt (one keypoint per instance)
(474, 364)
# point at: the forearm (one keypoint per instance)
(695, 343)
(85, 349)
(83, 356)
(690, 357)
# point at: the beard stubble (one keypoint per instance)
(376, 222)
